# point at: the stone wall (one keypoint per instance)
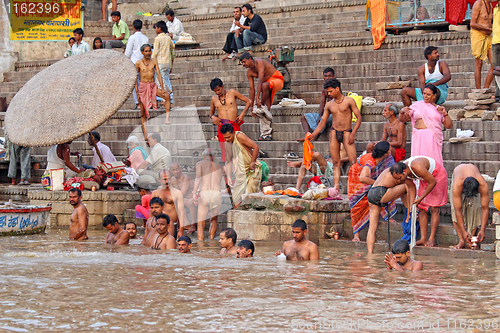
(7, 56)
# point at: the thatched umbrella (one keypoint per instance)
(70, 98)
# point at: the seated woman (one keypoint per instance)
(97, 44)
(362, 175)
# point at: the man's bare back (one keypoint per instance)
(300, 250)
(146, 72)
(211, 175)
(184, 184)
(263, 67)
(79, 223)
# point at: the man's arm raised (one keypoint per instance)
(248, 104)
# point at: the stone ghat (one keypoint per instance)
(270, 217)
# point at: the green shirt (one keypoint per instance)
(121, 28)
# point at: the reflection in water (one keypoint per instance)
(48, 283)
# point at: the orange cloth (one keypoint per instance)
(275, 84)
(308, 152)
(378, 10)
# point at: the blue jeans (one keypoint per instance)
(165, 72)
(249, 38)
(24, 155)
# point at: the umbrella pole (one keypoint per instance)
(92, 140)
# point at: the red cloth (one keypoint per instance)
(222, 143)
(455, 11)
(400, 154)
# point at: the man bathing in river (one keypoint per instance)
(184, 244)
(299, 248)
(245, 249)
(131, 228)
(155, 209)
(341, 108)
(400, 259)
(228, 241)
(116, 234)
(163, 240)
(79, 217)
(173, 203)
(184, 183)
(225, 101)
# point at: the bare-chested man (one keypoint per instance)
(155, 209)
(400, 259)
(468, 210)
(394, 133)
(480, 36)
(173, 203)
(341, 108)
(227, 110)
(299, 248)
(270, 81)
(207, 192)
(163, 240)
(147, 90)
(228, 241)
(184, 183)
(79, 217)
(116, 234)
(131, 228)
(392, 183)
(184, 244)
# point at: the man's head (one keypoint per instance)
(399, 171)
(110, 222)
(96, 135)
(146, 51)
(401, 251)
(217, 86)
(176, 170)
(328, 74)
(299, 230)
(380, 149)
(160, 26)
(115, 16)
(156, 206)
(246, 10)
(164, 178)
(162, 221)
(390, 110)
(333, 88)
(131, 228)
(245, 249)
(137, 25)
(470, 188)
(228, 238)
(153, 139)
(207, 154)
(75, 196)
(237, 13)
(71, 41)
(247, 60)
(184, 244)
(78, 34)
(227, 131)
(431, 53)
(170, 15)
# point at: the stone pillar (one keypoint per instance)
(7, 56)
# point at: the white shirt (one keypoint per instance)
(133, 50)
(80, 48)
(496, 186)
(175, 28)
(106, 154)
(235, 27)
(159, 158)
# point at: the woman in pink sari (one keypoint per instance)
(427, 140)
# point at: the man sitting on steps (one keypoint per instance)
(254, 30)
(234, 33)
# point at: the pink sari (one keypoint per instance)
(427, 142)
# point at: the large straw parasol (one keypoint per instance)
(70, 98)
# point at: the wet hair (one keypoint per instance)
(432, 88)
(247, 245)
(300, 224)
(137, 24)
(401, 246)
(248, 7)
(429, 49)
(156, 136)
(78, 31)
(96, 135)
(109, 220)
(135, 225)
(93, 44)
(329, 70)
(72, 38)
(116, 13)
(77, 190)
(162, 25)
(398, 168)
(226, 128)
(471, 187)
(169, 12)
(156, 200)
(163, 216)
(332, 83)
(185, 239)
(216, 83)
(381, 149)
(394, 109)
(230, 233)
(144, 46)
(246, 56)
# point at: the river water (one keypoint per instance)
(48, 283)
